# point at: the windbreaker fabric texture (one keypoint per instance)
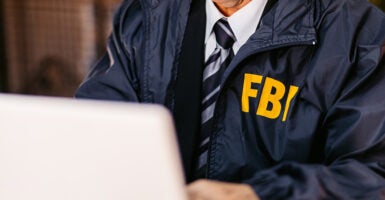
(301, 114)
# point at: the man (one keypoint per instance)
(293, 109)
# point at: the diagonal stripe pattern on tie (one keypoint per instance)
(214, 68)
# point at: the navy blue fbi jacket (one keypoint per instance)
(301, 114)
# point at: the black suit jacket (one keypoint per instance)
(188, 86)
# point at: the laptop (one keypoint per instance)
(66, 149)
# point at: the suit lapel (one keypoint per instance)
(188, 85)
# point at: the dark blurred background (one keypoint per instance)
(48, 46)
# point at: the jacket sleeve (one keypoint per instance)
(114, 76)
(354, 126)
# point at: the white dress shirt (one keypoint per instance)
(244, 22)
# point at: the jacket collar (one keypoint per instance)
(283, 21)
(287, 21)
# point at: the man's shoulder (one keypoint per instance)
(131, 9)
(357, 14)
(133, 13)
(338, 6)
(155, 4)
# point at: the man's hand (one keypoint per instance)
(213, 190)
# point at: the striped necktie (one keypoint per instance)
(214, 68)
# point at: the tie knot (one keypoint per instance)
(223, 33)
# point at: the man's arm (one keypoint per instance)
(354, 128)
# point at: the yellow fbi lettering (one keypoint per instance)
(273, 93)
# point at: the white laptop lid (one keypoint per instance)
(64, 149)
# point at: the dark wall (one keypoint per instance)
(3, 67)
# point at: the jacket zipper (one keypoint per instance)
(234, 65)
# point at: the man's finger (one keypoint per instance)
(214, 190)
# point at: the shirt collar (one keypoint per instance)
(213, 15)
(243, 23)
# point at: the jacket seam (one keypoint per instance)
(146, 33)
(175, 69)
